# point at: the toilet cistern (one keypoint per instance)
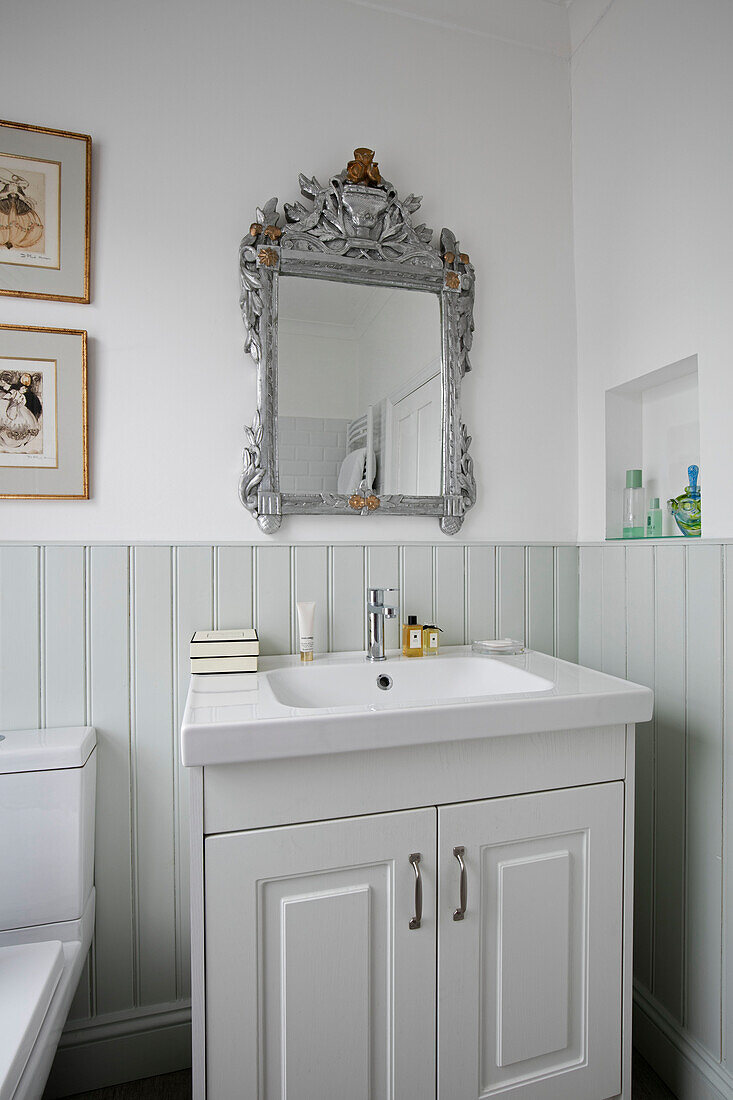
(377, 612)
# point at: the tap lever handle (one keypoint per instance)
(376, 595)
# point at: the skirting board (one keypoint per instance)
(159, 1041)
(684, 1066)
(113, 1050)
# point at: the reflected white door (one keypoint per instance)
(416, 445)
(529, 982)
(316, 987)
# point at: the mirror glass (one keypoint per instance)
(359, 388)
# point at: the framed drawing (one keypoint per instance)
(43, 413)
(44, 213)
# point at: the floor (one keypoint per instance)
(647, 1085)
(174, 1086)
(177, 1086)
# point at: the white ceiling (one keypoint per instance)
(553, 26)
(348, 307)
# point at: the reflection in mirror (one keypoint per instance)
(359, 388)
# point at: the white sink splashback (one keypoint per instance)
(335, 704)
(414, 681)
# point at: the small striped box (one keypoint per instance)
(216, 651)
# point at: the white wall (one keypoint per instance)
(653, 180)
(199, 112)
(401, 342)
(317, 377)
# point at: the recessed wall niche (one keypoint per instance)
(652, 424)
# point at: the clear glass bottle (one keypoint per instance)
(633, 524)
(411, 638)
(430, 641)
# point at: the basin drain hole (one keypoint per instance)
(384, 682)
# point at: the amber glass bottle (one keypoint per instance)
(411, 638)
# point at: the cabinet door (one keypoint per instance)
(317, 988)
(529, 981)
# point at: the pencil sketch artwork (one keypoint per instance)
(21, 224)
(27, 431)
(29, 212)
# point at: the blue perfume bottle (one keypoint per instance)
(686, 508)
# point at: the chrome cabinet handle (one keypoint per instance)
(460, 912)
(415, 921)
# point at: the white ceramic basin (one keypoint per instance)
(419, 681)
(335, 704)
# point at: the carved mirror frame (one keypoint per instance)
(354, 229)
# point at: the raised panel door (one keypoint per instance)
(413, 460)
(317, 988)
(529, 979)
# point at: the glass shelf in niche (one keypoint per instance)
(659, 538)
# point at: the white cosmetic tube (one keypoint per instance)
(306, 615)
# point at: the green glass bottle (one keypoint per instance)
(633, 524)
(687, 508)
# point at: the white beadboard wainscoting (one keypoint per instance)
(99, 634)
(661, 614)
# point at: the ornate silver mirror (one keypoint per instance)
(360, 328)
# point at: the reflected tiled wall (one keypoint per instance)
(311, 451)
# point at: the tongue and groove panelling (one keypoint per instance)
(99, 634)
(656, 614)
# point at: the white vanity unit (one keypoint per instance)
(412, 889)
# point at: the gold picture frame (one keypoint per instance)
(45, 213)
(44, 432)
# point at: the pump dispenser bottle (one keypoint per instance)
(654, 520)
(411, 638)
